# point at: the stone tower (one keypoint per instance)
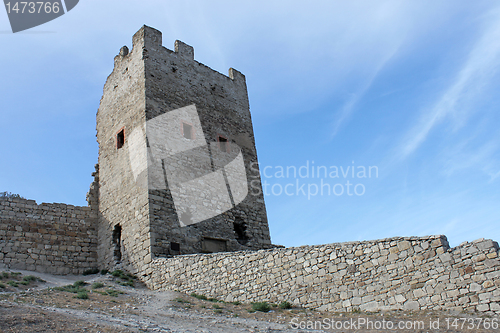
(177, 159)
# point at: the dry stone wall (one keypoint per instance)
(397, 273)
(51, 238)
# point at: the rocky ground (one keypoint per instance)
(34, 302)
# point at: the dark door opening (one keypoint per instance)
(117, 237)
(240, 228)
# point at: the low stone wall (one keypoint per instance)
(51, 238)
(398, 273)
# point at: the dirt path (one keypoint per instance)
(112, 307)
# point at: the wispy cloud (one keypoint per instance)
(494, 176)
(346, 111)
(481, 64)
(478, 150)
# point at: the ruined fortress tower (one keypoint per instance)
(176, 151)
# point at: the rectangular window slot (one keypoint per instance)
(187, 131)
(120, 139)
(223, 144)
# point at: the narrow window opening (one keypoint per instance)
(120, 139)
(240, 229)
(175, 246)
(187, 131)
(117, 236)
(223, 144)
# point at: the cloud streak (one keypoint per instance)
(481, 64)
(344, 114)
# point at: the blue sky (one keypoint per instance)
(407, 87)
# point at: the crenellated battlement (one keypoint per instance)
(150, 39)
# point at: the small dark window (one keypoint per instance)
(187, 131)
(223, 144)
(120, 139)
(175, 246)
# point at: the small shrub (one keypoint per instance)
(30, 278)
(236, 303)
(5, 275)
(104, 271)
(117, 273)
(73, 288)
(91, 271)
(211, 299)
(202, 297)
(250, 310)
(82, 294)
(217, 306)
(113, 293)
(79, 283)
(218, 310)
(97, 285)
(2, 285)
(13, 284)
(356, 310)
(127, 277)
(285, 305)
(15, 273)
(127, 283)
(235, 315)
(261, 306)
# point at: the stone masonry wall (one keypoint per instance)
(398, 273)
(174, 80)
(51, 238)
(123, 201)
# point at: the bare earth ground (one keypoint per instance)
(37, 307)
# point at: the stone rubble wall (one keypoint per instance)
(48, 238)
(179, 89)
(398, 273)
